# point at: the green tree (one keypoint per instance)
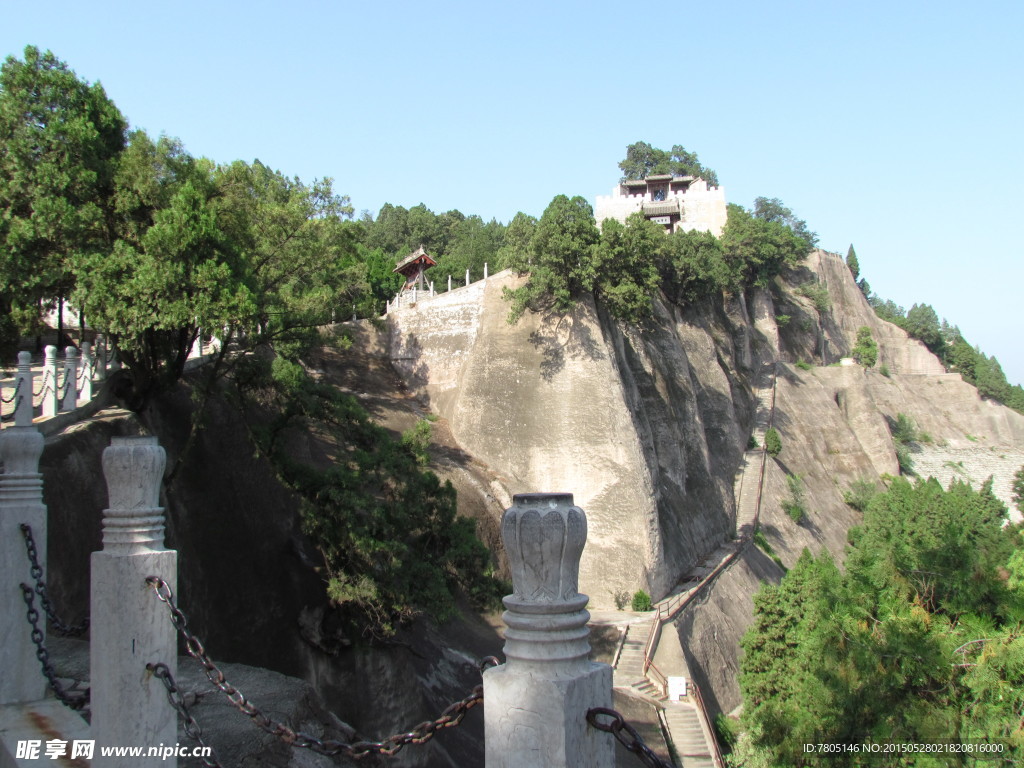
(757, 249)
(289, 239)
(644, 160)
(923, 324)
(560, 260)
(694, 266)
(1018, 489)
(852, 263)
(772, 210)
(172, 269)
(626, 266)
(772, 442)
(389, 231)
(59, 141)
(515, 248)
(918, 639)
(865, 351)
(471, 245)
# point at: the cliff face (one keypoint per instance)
(645, 428)
(834, 426)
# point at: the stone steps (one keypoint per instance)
(687, 735)
(629, 670)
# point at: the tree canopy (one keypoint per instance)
(917, 641)
(644, 160)
(59, 140)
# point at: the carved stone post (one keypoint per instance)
(130, 627)
(24, 388)
(115, 362)
(21, 501)
(536, 703)
(87, 371)
(100, 356)
(70, 400)
(50, 392)
(467, 277)
(485, 270)
(449, 282)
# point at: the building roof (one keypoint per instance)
(661, 207)
(419, 256)
(656, 177)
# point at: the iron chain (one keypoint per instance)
(451, 717)
(62, 390)
(192, 729)
(43, 385)
(75, 702)
(36, 570)
(626, 735)
(14, 395)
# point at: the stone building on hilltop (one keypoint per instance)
(677, 202)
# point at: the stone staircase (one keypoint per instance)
(629, 671)
(681, 719)
(687, 735)
(746, 492)
(747, 482)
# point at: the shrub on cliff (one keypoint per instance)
(772, 442)
(387, 529)
(642, 601)
(865, 351)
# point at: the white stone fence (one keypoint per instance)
(63, 384)
(547, 705)
(413, 296)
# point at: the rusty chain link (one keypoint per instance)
(75, 702)
(419, 734)
(631, 740)
(14, 395)
(62, 390)
(192, 729)
(36, 570)
(43, 385)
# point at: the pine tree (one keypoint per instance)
(852, 263)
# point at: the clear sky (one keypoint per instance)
(894, 126)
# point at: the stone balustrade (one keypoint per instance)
(535, 705)
(407, 299)
(55, 386)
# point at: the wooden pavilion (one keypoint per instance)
(413, 266)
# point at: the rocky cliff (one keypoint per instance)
(646, 426)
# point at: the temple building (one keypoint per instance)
(676, 202)
(413, 266)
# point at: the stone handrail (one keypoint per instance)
(63, 388)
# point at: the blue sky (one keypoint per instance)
(894, 126)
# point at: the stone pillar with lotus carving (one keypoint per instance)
(535, 705)
(130, 628)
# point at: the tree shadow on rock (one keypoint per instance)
(562, 337)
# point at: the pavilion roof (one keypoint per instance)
(416, 257)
